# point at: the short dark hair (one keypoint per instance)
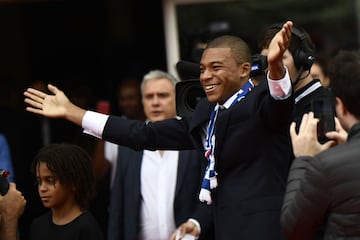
(238, 46)
(72, 165)
(344, 74)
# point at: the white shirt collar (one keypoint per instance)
(230, 100)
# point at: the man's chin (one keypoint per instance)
(212, 98)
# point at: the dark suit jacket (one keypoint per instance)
(253, 155)
(124, 214)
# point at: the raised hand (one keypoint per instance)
(55, 106)
(277, 47)
(45, 104)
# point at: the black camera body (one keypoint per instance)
(188, 94)
(4, 183)
(189, 91)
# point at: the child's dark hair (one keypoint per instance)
(72, 165)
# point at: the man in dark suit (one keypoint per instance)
(245, 178)
(153, 185)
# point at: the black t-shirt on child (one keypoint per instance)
(84, 227)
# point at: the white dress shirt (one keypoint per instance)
(158, 181)
(110, 154)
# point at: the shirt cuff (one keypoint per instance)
(197, 224)
(93, 123)
(280, 89)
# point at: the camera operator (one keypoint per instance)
(12, 205)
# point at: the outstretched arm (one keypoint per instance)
(53, 106)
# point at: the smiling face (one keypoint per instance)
(52, 193)
(221, 76)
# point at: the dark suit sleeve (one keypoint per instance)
(115, 207)
(171, 134)
(276, 113)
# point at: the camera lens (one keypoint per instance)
(188, 94)
(192, 98)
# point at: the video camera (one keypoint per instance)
(4, 183)
(189, 91)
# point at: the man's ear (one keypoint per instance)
(245, 69)
(340, 107)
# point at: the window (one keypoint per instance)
(332, 24)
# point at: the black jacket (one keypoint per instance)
(325, 189)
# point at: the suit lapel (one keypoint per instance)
(200, 119)
(137, 165)
(201, 114)
(182, 165)
(221, 128)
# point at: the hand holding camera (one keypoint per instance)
(4, 183)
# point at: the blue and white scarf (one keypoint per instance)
(210, 179)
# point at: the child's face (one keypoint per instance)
(52, 193)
